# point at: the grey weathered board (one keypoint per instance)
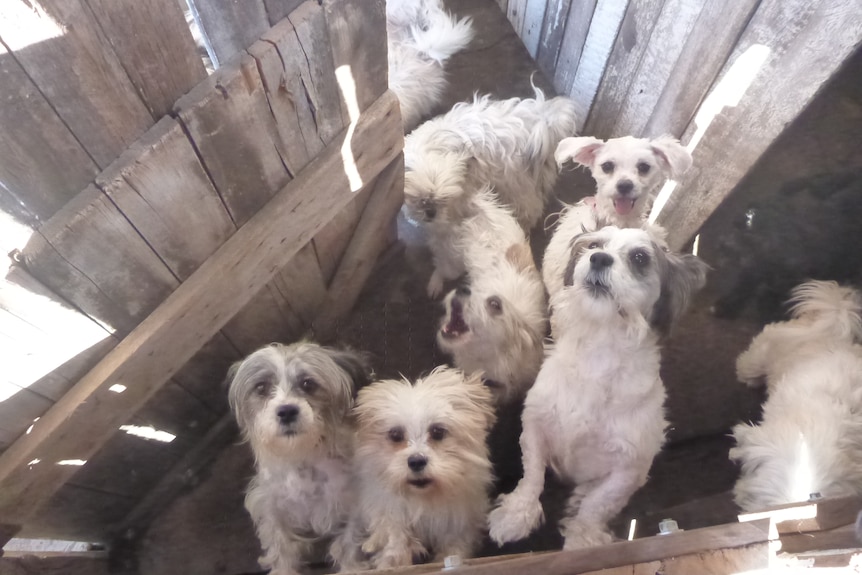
(42, 165)
(279, 9)
(332, 240)
(192, 314)
(806, 43)
(154, 46)
(75, 68)
(570, 35)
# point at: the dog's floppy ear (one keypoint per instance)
(356, 365)
(681, 277)
(520, 256)
(675, 160)
(581, 150)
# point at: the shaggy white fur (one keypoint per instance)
(422, 36)
(292, 405)
(810, 439)
(595, 414)
(505, 144)
(628, 172)
(423, 467)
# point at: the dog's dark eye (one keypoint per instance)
(593, 245)
(396, 434)
(308, 385)
(608, 167)
(495, 305)
(437, 432)
(643, 168)
(639, 258)
(262, 388)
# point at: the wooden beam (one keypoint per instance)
(788, 50)
(71, 564)
(7, 532)
(361, 255)
(79, 424)
(839, 538)
(807, 516)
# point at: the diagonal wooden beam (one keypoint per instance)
(83, 420)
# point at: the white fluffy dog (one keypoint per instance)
(497, 323)
(292, 404)
(422, 36)
(628, 172)
(810, 439)
(423, 467)
(595, 414)
(506, 144)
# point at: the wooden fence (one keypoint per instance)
(724, 77)
(180, 220)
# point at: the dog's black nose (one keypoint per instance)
(429, 208)
(601, 260)
(462, 290)
(625, 186)
(417, 462)
(287, 413)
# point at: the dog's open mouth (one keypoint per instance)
(456, 326)
(420, 483)
(624, 206)
(596, 286)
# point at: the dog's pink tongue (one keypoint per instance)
(623, 206)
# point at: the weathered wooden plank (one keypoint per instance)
(750, 558)
(276, 10)
(840, 538)
(42, 166)
(231, 26)
(706, 50)
(368, 241)
(806, 516)
(204, 374)
(18, 413)
(531, 29)
(302, 285)
(90, 254)
(77, 514)
(663, 49)
(154, 46)
(161, 187)
(228, 119)
(79, 423)
(77, 564)
(62, 49)
(551, 38)
(332, 240)
(266, 318)
(515, 12)
(357, 33)
(579, 16)
(622, 66)
(7, 532)
(788, 50)
(604, 27)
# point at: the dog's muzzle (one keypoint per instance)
(429, 209)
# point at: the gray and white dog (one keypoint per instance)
(292, 403)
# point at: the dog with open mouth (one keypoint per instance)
(628, 172)
(293, 404)
(497, 322)
(595, 414)
(423, 468)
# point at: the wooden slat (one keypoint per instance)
(553, 27)
(663, 49)
(357, 33)
(42, 166)
(807, 516)
(7, 532)
(571, 45)
(60, 46)
(80, 423)
(706, 50)
(154, 46)
(204, 374)
(515, 12)
(839, 538)
(365, 246)
(278, 9)
(77, 514)
(90, 254)
(228, 119)
(751, 558)
(531, 30)
(622, 66)
(162, 189)
(77, 564)
(301, 283)
(332, 240)
(231, 26)
(266, 318)
(604, 26)
(806, 43)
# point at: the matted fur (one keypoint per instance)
(443, 419)
(292, 404)
(810, 439)
(422, 36)
(506, 144)
(595, 414)
(664, 158)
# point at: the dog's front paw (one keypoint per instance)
(435, 285)
(514, 518)
(393, 557)
(579, 535)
